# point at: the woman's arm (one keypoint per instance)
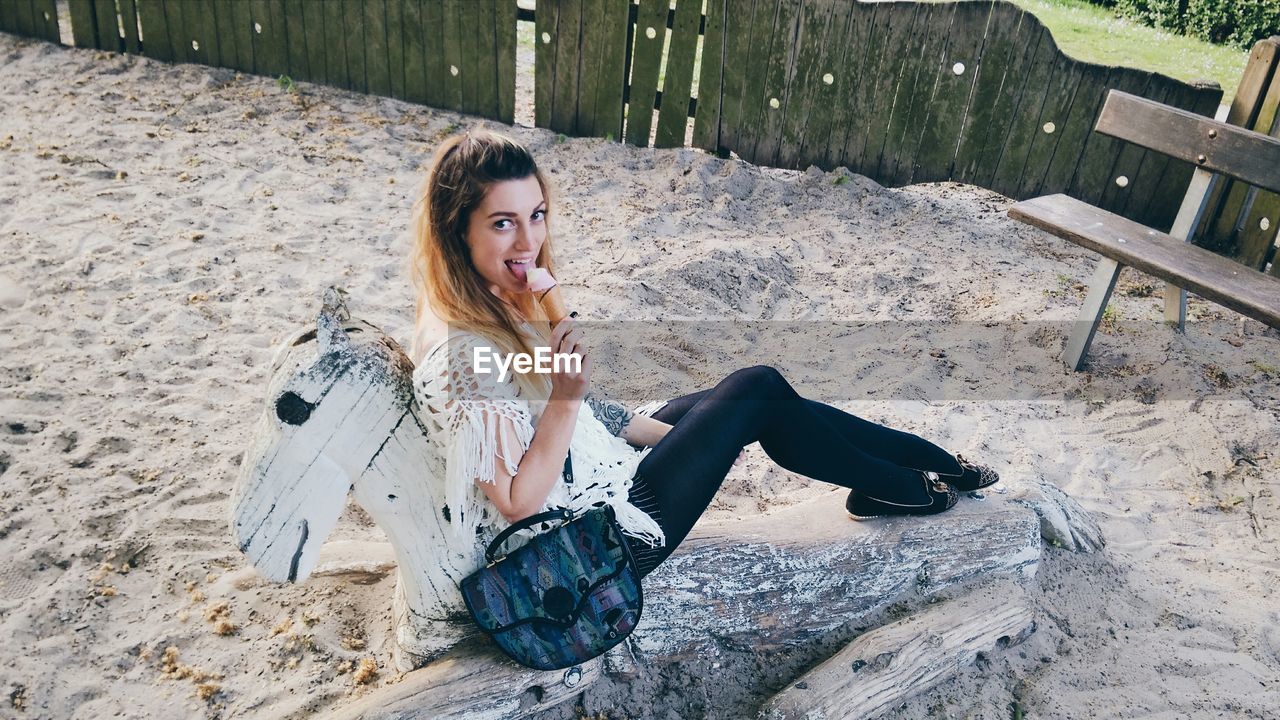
(540, 467)
(638, 430)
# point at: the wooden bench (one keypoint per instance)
(1220, 151)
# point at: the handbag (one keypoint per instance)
(565, 597)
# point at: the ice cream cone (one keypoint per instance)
(544, 288)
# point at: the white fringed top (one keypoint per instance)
(473, 418)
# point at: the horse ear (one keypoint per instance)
(333, 313)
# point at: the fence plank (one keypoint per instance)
(335, 43)
(505, 15)
(415, 53)
(376, 57)
(873, 69)
(1009, 46)
(104, 12)
(1065, 77)
(128, 24)
(242, 35)
(396, 55)
(613, 65)
(584, 117)
(1039, 74)
(175, 13)
(354, 25)
(706, 123)
(202, 27)
(564, 106)
(155, 29)
(935, 152)
(1093, 170)
(755, 98)
(452, 25)
(20, 20)
(1223, 208)
(437, 67)
(739, 24)
(915, 88)
(805, 87)
(270, 38)
(482, 61)
(847, 74)
(1128, 161)
(1075, 128)
(772, 88)
(884, 83)
(1240, 234)
(313, 32)
(296, 33)
(228, 51)
(545, 43)
(46, 20)
(677, 85)
(84, 26)
(646, 57)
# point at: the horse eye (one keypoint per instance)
(292, 409)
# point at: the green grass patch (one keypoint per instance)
(1094, 34)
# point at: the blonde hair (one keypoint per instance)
(462, 170)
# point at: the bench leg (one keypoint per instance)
(1175, 307)
(1104, 281)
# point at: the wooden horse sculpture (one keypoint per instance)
(341, 418)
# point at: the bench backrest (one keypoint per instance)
(1233, 151)
(1240, 215)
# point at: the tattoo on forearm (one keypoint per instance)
(613, 415)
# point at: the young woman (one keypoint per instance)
(480, 225)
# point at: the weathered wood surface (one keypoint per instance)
(887, 666)
(1217, 146)
(790, 576)
(1211, 276)
(472, 683)
(1258, 89)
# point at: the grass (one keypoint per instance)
(1093, 34)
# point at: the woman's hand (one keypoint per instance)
(568, 385)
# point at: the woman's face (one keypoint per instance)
(508, 226)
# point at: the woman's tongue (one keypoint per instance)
(518, 270)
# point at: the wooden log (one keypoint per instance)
(889, 665)
(472, 684)
(791, 576)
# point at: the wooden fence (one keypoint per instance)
(974, 91)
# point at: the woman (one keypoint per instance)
(480, 224)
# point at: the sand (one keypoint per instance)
(163, 226)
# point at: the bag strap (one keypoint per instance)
(557, 514)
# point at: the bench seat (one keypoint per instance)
(1207, 274)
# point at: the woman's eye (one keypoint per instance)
(539, 214)
(499, 225)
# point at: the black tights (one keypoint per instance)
(677, 480)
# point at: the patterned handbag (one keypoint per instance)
(565, 597)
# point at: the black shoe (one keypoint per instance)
(941, 497)
(972, 476)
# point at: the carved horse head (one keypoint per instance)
(336, 394)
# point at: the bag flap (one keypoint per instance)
(549, 578)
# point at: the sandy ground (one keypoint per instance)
(163, 226)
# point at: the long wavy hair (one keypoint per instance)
(462, 170)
